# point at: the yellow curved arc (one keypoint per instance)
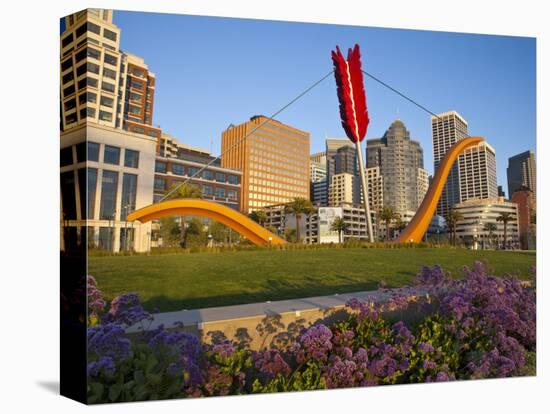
(204, 208)
(418, 226)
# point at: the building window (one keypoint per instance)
(134, 109)
(160, 184)
(219, 192)
(109, 73)
(81, 30)
(232, 194)
(93, 151)
(109, 87)
(111, 155)
(138, 130)
(138, 72)
(152, 134)
(178, 169)
(94, 28)
(208, 175)
(109, 182)
(70, 104)
(105, 240)
(108, 34)
(160, 167)
(135, 96)
(71, 118)
(66, 156)
(111, 60)
(136, 85)
(191, 171)
(68, 195)
(207, 190)
(131, 158)
(68, 91)
(129, 190)
(82, 83)
(233, 179)
(90, 112)
(92, 67)
(67, 40)
(106, 101)
(220, 177)
(66, 64)
(105, 116)
(68, 77)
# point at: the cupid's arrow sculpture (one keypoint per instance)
(353, 111)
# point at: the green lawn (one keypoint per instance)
(199, 280)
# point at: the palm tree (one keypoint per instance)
(183, 190)
(299, 206)
(259, 216)
(491, 228)
(340, 226)
(387, 215)
(452, 219)
(505, 217)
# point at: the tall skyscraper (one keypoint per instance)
(345, 160)
(99, 82)
(318, 182)
(401, 163)
(521, 172)
(477, 170)
(274, 161)
(332, 147)
(447, 129)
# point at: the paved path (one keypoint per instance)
(197, 317)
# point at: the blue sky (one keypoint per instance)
(212, 72)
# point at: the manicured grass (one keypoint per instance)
(200, 280)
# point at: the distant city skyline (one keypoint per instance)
(212, 72)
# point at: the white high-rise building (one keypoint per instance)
(422, 184)
(447, 129)
(477, 169)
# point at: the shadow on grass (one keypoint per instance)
(163, 303)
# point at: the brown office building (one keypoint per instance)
(274, 160)
(524, 197)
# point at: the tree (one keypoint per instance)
(259, 216)
(452, 219)
(505, 218)
(169, 231)
(183, 190)
(490, 228)
(387, 215)
(340, 226)
(299, 206)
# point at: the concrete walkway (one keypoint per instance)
(317, 305)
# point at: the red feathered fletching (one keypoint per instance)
(351, 93)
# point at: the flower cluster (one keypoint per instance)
(96, 303)
(314, 343)
(127, 310)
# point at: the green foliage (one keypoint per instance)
(306, 377)
(143, 376)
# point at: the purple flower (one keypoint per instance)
(425, 347)
(96, 303)
(429, 365)
(314, 343)
(127, 310)
(105, 365)
(442, 376)
(271, 363)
